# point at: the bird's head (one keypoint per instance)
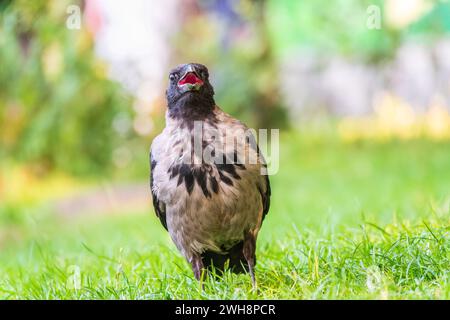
(189, 92)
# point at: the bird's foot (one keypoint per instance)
(249, 255)
(199, 270)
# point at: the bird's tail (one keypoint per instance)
(234, 259)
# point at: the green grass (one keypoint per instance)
(352, 221)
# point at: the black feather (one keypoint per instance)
(225, 179)
(185, 173)
(214, 184)
(228, 167)
(159, 207)
(265, 196)
(200, 177)
(234, 258)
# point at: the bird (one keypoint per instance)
(208, 179)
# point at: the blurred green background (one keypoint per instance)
(359, 89)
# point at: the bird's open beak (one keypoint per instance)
(190, 81)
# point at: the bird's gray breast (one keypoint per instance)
(209, 188)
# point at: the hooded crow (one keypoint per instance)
(208, 179)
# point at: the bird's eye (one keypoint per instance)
(204, 74)
(172, 77)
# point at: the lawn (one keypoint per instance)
(360, 220)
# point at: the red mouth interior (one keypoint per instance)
(190, 78)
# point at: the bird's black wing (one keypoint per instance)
(160, 207)
(265, 197)
(265, 194)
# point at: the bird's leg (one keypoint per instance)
(249, 255)
(198, 268)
